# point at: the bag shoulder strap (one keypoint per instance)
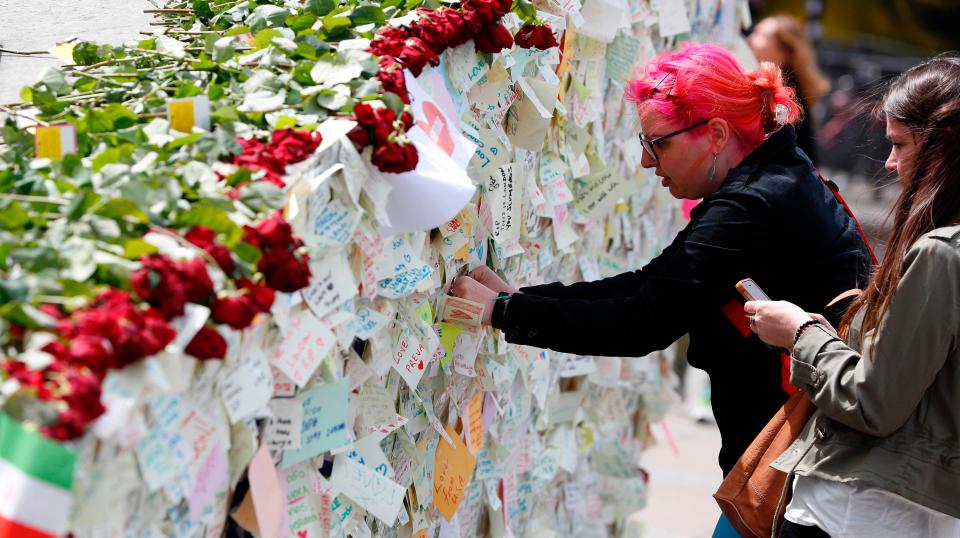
(836, 194)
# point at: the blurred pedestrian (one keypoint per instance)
(881, 456)
(780, 39)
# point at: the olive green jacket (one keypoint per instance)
(888, 415)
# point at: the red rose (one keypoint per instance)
(407, 119)
(237, 312)
(391, 77)
(288, 276)
(159, 283)
(292, 146)
(389, 41)
(364, 114)
(535, 36)
(487, 11)
(384, 125)
(471, 23)
(207, 344)
(396, 157)
(493, 38)
(88, 350)
(261, 296)
(358, 135)
(70, 424)
(275, 231)
(416, 55)
(205, 238)
(196, 280)
(84, 395)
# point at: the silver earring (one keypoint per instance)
(713, 169)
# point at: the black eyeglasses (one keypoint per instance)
(648, 145)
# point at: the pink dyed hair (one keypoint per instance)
(705, 81)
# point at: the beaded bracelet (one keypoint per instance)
(804, 326)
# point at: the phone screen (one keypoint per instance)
(751, 291)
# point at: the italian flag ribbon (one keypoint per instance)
(36, 475)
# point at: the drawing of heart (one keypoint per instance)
(420, 366)
(302, 534)
(435, 125)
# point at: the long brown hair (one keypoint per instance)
(801, 61)
(926, 99)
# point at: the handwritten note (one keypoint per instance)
(466, 66)
(247, 387)
(329, 221)
(324, 426)
(601, 193)
(331, 284)
(284, 427)
(307, 342)
(502, 196)
(410, 358)
(452, 472)
(376, 493)
(473, 422)
(211, 476)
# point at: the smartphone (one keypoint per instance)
(751, 291)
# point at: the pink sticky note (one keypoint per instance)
(268, 498)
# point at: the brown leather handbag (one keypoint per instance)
(750, 495)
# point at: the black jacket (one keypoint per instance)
(772, 220)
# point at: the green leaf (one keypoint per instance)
(134, 249)
(120, 208)
(70, 163)
(237, 30)
(241, 176)
(301, 22)
(262, 197)
(113, 155)
(285, 122)
(225, 114)
(12, 216)
(264, 37)
(366, 14)
(184, 140)
(246, 252)
(188, 90)
(81, 203)
(320, 7)
(121, 116)
(83, 84)
(337, 20)
(87, 53)
(148, 44)
(332, 69)
(223, 49)
(212, 218)
(267, 15)
(202, 9)
(26, 316)
(13, 290)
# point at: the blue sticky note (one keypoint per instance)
(324, 421)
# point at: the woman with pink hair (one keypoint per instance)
(710, 130)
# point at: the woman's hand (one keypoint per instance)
(467, 288)
(492, 280)
(775, 322)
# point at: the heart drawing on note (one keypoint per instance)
(302, 534)
(435, 125)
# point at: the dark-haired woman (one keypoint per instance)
(881, 457)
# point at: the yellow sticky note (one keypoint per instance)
(452, 473)
(448, 337)
(474, 418)
(55, 141)
(465, 249)
(185, 114)
(181, 115)
(64, 51)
